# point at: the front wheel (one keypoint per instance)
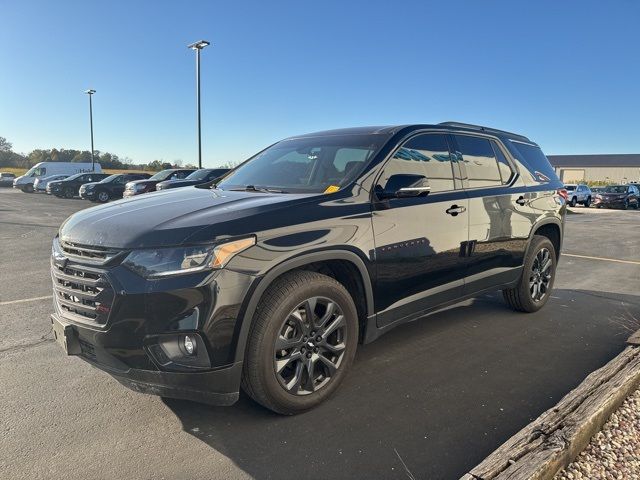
(535, 284)
(573, 202)
(28, 188)
(301, 344)
(103, 197)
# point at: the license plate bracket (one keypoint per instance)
(66, 337)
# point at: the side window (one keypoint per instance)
(426, 154)
(179, 175)
(480, 161)
(503, 165)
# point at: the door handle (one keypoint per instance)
(521, 201)
(455, 210)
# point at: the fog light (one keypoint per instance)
(189, 345)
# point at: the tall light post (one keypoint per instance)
(90, 92)
(197, 46)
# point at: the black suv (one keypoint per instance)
(270, 280)
(70, 186)
(110, 187)
(199, 177)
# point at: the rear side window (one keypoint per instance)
(479, 160)
(427, 155)
(535, 160)
(503, 165)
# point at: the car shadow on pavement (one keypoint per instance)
(429, 399)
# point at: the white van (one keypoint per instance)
(46, 169)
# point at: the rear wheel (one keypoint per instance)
(301, 344)
(587, 202)
(102, 196)
(69, 193)
(535, 285)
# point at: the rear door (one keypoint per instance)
(497, 233)
(419, 240)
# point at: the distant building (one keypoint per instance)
(609, 168)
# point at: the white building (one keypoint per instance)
(605, 168)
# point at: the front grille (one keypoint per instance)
(82, 293)
(76, 250)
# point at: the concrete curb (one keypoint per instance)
(555, 438)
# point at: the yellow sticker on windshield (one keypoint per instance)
(332, 189)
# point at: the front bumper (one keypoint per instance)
(140, 313)
(87, 194)
(607, 202)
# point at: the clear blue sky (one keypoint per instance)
(567, 73)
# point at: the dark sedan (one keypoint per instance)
(149, 185)
(6, 179)
(620, 196)
(204, 175)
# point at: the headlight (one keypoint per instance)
(163, 262)
(599, 196)
(139, 187)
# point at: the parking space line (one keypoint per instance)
(631, 262)
(24, 300)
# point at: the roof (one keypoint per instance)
(392, 129)
(597, 160)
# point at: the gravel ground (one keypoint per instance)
(614, 452)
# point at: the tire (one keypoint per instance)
(573, 202)
(281, 316)
(69, 193)
(102, 196)
(587, 202)
(521, 297)
(625, 205)
(28, 188)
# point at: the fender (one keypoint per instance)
(558, 221)
(267, 279)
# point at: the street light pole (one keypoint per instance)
(197, 46)
(90, 93)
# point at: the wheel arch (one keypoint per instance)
(315, 261)
(550, 228)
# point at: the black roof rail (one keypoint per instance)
(485, 129)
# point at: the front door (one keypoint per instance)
(420, 241)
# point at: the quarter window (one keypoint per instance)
(503, 165)
(427, 155)
(479, 160)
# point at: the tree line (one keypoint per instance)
(9, 158)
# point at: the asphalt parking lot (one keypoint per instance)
(427, 401)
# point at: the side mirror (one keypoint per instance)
(406, 185)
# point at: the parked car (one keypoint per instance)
(110, 187)
(46, 169)
(621, 196)
(6, 179)
(40, 184)
(579, 194)
(199, 177)
(70, 187)
(270, 280)
(149, 185)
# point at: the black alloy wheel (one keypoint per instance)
(540, 275)
(302, 342)
(310, 346)
(68, 193)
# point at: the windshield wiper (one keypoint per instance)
(253, 188)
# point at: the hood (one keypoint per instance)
(144, 181)
(172, 217)
(85, 185)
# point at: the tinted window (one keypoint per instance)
(480, 161)
(426, 155)
(531, 155)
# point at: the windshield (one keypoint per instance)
(616, 189)
(163, 175)
(36, 172)
(198, 175)
(306, 165)
(110, 178)
(74, 176)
